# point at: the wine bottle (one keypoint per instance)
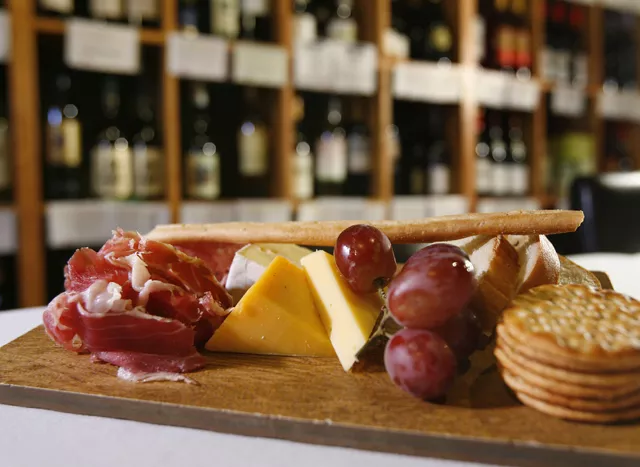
(305, 26)
(503, 39)
(253, 148)
(63, 147)
(56, 7)
(255, 20)
(343, 26)
(416, 20)
(331, 152)
(111, 157)
(439, 38)
(498, 152)
(358, 151)
(438, 172)
(148, 156)
(190, 17)
(144, 12)
(579, 59)
(302, 157)
(225, 18)
(5, 147)
(517, 155)
(108, 10)
(202, 158)
(522, 53)
(483, 162)
(416, 165)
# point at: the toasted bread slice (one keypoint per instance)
(539, 262)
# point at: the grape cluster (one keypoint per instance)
(429, 297)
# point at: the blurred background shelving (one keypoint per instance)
(133, 113)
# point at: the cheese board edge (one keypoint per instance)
(326, 433)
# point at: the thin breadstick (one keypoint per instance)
(436, 229)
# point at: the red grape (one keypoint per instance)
(420, 362)
(462, 333)
(431, 290)
(364, 256)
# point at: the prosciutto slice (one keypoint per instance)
(218, 256)
(138, 304)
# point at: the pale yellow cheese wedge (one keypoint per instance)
(277, 316)
(348, 317)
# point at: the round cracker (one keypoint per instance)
(575, 403)
(568, 375)
(579, 415)
(562, 387)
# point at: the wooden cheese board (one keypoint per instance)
(313, 400)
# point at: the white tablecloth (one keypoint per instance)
(30, 437)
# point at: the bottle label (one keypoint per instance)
(523, 49)
(148, 171)
(143, 9)
(440, 38)
(103, 171)
(203, 175)
(520, 179)
(359, 154)
(5, 163)
(549, 63)
(107, 9)
(253, 147)
(439, 179)
(305, 28)
(483, 175)
(123, 166)
(500, 179)
(303, 175)
(332, 158)
(505, 47)
(72, 142)
(416, 181)
(343, 30)
(61, 6)
(225, 18)
(255, 7)
(580, 69)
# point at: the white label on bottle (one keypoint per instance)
(260, 64)
(96, 46)
(439, 179)
(563, 66)
(197, 57)
(519, 179)
(61, 6)
(225, 18)
(138, 10)
(501, 183)
(343, 29)
(107, 9)
(5, 36)
(580, 70)
(123, 160)
(359, 153)
(72, 142)
(331, 158)
(253, 146)
(203, 175)
(305, 28)
(549, 63)
(255, 7)
(148, 171)
(5, 156)
(568, 101)
(483, 175)
(303, 175)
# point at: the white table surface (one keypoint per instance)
(33, 437)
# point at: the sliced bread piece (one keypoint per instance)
(539, 262)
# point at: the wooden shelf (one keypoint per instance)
(55, 26)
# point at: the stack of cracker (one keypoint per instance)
(573, 352)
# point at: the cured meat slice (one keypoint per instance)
(142, 305)
(217, 256)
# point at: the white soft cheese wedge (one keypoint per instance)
(250, 262)
(347, 317)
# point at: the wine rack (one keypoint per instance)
(374, 18)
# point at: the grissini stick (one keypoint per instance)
(435, 229)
